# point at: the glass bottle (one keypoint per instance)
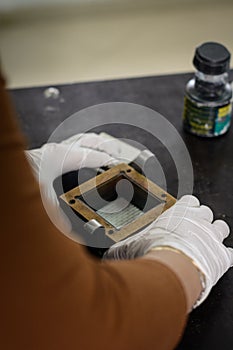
(207, 106)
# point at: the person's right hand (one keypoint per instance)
(189, 228)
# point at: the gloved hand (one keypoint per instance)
(188, 227)
(54, 159)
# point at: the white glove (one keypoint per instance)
(54, 159)
(188, 227)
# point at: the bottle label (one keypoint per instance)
(206, 121)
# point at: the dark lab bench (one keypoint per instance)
(210, 326)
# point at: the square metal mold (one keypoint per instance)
(99, 203)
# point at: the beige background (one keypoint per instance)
(82, 43)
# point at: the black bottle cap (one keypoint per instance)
(212, 58)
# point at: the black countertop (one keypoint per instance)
(211, 325)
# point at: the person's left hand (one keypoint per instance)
(54, 159)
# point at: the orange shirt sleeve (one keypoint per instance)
(53, 294)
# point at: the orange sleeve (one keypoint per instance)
(55, 296)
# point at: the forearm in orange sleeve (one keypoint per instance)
(55, 296)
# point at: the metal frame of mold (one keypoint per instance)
(146, 192)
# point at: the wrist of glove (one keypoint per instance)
(189, 228)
